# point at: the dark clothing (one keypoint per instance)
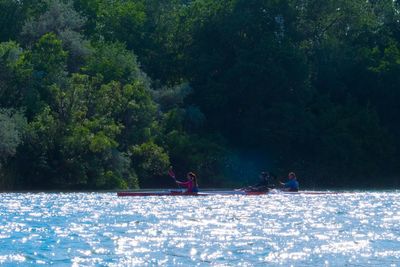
(264, 180)
(262, 185)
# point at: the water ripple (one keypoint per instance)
(100, 229)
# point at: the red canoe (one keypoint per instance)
(213, 193)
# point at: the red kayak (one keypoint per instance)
(146, 194)
(213, 193)
(179, 193)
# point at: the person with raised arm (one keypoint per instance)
(190, 184)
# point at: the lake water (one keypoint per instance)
(101, 229)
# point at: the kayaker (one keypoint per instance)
(262, 185)
(191, 183)
(292, 185)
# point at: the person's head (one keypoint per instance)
(292, 175)
(191, 176)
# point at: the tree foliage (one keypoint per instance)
(12, 127)
(99, 94)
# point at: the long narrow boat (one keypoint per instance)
(155, 193)
(213, 193)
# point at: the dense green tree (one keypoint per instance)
(47, 60)
(10, 19)
(14, 75)
(12, 129)
(150, 160)
(344, 41)
(115, 63)
(62, 20)
(121, 21)
(73, 141)
(252, 80)
(113, 92)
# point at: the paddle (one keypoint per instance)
(171, 173)
(173, 176)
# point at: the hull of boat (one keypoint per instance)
(146, 194)
(213, 193)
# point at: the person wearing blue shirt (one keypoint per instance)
(292, 185)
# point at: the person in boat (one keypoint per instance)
(263, 184)
(191, 183)
(292, 185)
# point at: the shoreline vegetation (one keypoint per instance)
(106, 95)
(309, 189)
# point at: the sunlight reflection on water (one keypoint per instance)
(100, 229)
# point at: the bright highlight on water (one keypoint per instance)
(100, 229)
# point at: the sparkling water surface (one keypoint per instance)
(101, 229)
